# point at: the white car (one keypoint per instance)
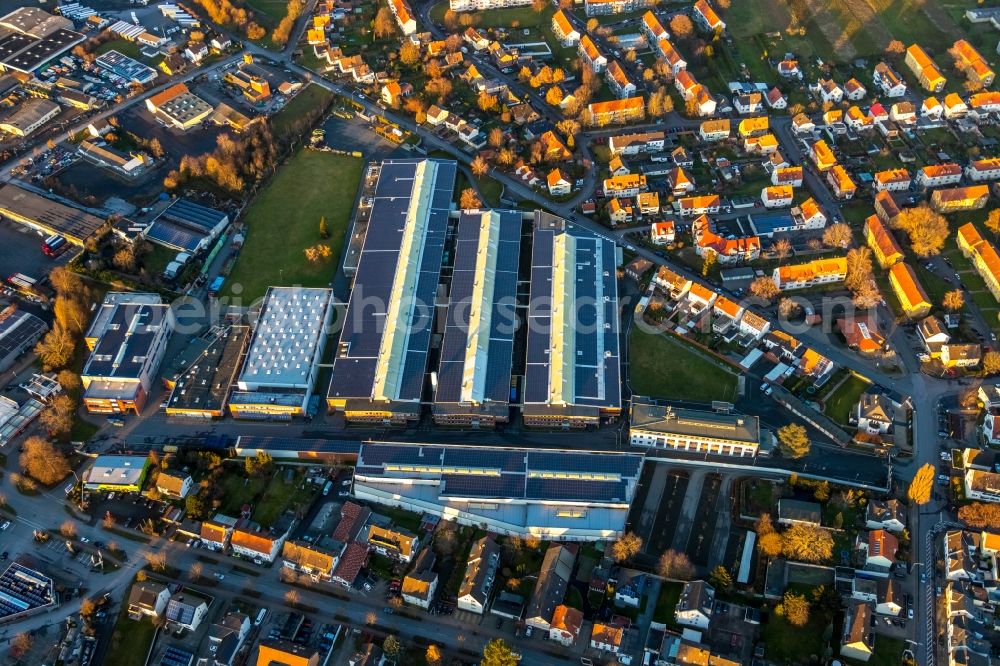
(219, 576)
(84, 539)
(5, 525)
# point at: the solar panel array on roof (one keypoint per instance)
(344, 446)
(17, 332)
(476, 485)
(173, 236)
(582, 266)
(545, 461)
(185, 225)
(127, 341)
(576, 489)
(386, 336)
(505, 460)
(387, 454)
(175, 656)
(478, 345)
(23, 589)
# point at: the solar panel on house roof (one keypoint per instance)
(466, 278)
(354, 370)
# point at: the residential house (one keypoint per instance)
(226, 637)
(679, 181)
(885, 515)
(695, 605)
(983, 169)
(286, 653)
(648, 203)
(565, 626)
(939, 175)
(798, 512)
(630, 589)
(662, 233)
(308, 559)
(671, 56)
(904, 113)
(878, 549)
(883, 244)
(933, 335)
(931, 108)
(886, 207)
(808, 215)
(606, 637)
(617, 167)
(185, 611)
(726, 250)
(776, 99)
(803, 124)
(857, 641)
(756, 126)
(351, 561)
(924, 69)
(618, 80)
(604, 7)
(789, 69)
(888, 81)
(954, 106)
(704, 16)
(828, 91)
(873, 413)
(725, 313)
(652, 28)
(174, 485)
(636, 143)
(822, 156)
(557, 184)
(591, 55)
(892, 180)
(753, 325)
(550, 587)
(404, 17)
(854, 90)
(258, 544)
(984, 256)
(216, 533)
(790, 176)
(148, 598)
(859, 121)
(841, 182)
(777, 196)
(714, 130)
(480, 572)
(619, 213)
(393, 543)
(766, 144)
(811, 274)
(624, 186)
(420, 583)
(563, 29)
(553, 149)
(972, 64)
(637, 268)
(748, 103)
(953, 199)
(911, 295)
(961, 355)
(861, 334)
(616, 111)
(983, 103)
(368, 654)
(707, 204)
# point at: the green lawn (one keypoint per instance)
(888, 652)
(237, 491)
(308, 98)
(130, 641)
(666, 603)
(126, 48)
(838, 404)
(284, 221)
(274, 10)
(574, 599)
(408, 520)
(787, 644)
(662, 367)
(281, 496)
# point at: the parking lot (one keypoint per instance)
(20, 251)
(343, 134)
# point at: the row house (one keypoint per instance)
(841, 182)
(777, 196)
(618, 81)
(909, 292)
(811, 274)
(726, 250)
(605, 7)
(690, 89)
(883, 244)
(629, 185)
(563, 29)
(704, 15)
(954, 199)
(984, 169)
(822, 156)
(309, 560)
(924, 69)
(939, 175)
(714, 130)
(972, 64)
(707, 204)
(886, 207)
(790, 175)
(404, 16)
(983, 255)
(635, 144)
(888, 81)
(616, 111)
(652, 28)
(892, 180)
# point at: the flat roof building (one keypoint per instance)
(49, 217)
(187, 226)
(478, 347)
(130, 341)
(178, 105)
(117, 473)
(693, 431)
(551, 494)
(127, 68)
(281, 365)
(29, 116)
(573, 376)
(202, 390)
(30, 38)
(23, 590)
(19, 331)
(381, 358)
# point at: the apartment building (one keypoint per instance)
(883, 244)
(924, 69)
(661, 426)
(911, 295)
(811, 274)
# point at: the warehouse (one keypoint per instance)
(117, 473)
(381, 360)
(179, 106)
(127, 68)
(477, 352)
(29, 116)
(202, 390)
(19, 331)
(694, 431)
(572, 378)
(280, 370)
(186, 226)
(129, 346)
(47, 216)
(30, 38)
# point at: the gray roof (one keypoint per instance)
(696, 595)
(55, 217)
(126, 341)
(480, 570)
(557, 568)
(670, 420)
(799, 511)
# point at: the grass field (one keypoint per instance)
(309, 97)
(130, 641)
(788, 644)
(271, 10)
(663, 367)
(285, 220)
(238, 491)
(666, 603)
(888, 651)
(839, 403)
(126, 48)
(281, 496)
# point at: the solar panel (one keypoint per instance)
(576, 489)
(506, 486)
(476, 457)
